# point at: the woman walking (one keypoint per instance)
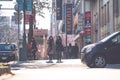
(50, 49)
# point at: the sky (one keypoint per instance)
(43, 23)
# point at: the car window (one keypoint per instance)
(108, 37)
(116, 40)
(7, 47)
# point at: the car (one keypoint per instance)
(99, 54)
(8, 52)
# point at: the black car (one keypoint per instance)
(106, 51)
(8, 52)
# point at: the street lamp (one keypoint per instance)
(24, 47)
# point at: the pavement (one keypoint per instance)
(34, 64)
(41, 65)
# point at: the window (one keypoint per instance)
(116, 39)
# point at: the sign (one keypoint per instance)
(69, 19)
(88, 39)
(16, 16)
(87, 19)
(29, 5)
(87, 30)
(27, 19)
(59, 9)
(20, 4)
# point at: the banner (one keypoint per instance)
(59, 9)
(69, 19)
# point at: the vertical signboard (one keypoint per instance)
(88, 19)
(29, 5)
(59, 9)
(87, 28)
(20, 4)
(69, 20)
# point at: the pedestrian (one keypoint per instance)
(70, 51)
(75, 51)
(59, 49)
(34, 47)
(50, 49)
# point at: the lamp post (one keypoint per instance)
(24, 47)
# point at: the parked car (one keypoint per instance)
(106, 51)
(8, 52)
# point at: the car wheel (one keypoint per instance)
(99, 61)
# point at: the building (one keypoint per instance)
(95, 19)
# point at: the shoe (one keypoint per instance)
(61, 62)
(49, 62)
(58, 62)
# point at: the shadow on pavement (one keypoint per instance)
(113, 66)
(31, 65)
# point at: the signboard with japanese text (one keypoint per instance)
(69, 18)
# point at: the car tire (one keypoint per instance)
(99, 61)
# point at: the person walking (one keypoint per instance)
(70, 51)
(50, 49)
(75, 51)
(34, 47)
(59, 49)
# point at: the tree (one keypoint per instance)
(40, 5)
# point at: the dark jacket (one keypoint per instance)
(59, 46)
(50, 49)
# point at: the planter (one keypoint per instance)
(5, 68)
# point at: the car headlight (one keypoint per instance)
(89, 49)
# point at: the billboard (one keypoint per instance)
(59, 9)
(69, 19)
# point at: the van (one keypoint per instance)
(8, 52)
(106, 51)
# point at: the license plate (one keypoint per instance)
(4, 58)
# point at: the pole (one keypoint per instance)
(24, 47)
(98, 38)
(18, 32)
(66, 33)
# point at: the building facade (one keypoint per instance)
(100, 17)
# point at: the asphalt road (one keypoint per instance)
(68, 70)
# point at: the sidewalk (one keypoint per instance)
(34, 64)
(40, 65)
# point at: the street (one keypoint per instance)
(68, 70)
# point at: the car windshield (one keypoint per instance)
(108, 37)
(7, 47)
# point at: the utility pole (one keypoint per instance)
(30, 34)
(24, 47)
